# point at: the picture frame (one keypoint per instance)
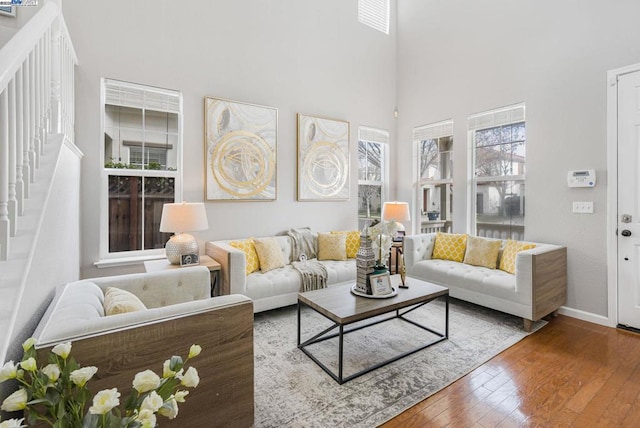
(189, 259)
(240, 151)
(323, 158)
(8, 11)
(380, 284)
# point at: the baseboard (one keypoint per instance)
(586, 316)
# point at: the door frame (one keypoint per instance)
(612, 188)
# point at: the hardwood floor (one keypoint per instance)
(570, 373)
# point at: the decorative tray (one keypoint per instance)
(371, 296)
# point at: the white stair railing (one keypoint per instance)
(36, 98)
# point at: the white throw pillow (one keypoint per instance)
(118, 301)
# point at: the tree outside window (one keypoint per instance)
(371, 174)
(500, 171)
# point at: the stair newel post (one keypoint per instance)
(12, 200)
(4, 175)
(19, 142)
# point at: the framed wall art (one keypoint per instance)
(240, 150)
(323, 159)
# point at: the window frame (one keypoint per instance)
(505, 116)
(115, 258)
(432, 131)
(381, 137)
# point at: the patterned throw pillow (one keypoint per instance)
(249, 250)
(117, 301)
(450, 246)
(482, 252)
(352, 242)
(332, 246)
(269, 254)
(508, 260)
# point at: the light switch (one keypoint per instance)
(583, 207)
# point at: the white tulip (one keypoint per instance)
(81, 376)
(8, 371)
(194, 351)
(104, 401)
(152, 402)
(169, 409)
(146, 381)
(16, 401)
(52, 371)
(62, 349)
(190, 379)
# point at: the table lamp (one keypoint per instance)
(398, 211)
(179, 218)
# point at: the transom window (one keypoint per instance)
(375, 14)
(499, 141)
(142, 157)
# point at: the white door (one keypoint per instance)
(629, 199)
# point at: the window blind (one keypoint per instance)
(433, 131)
(373, 135)
(498, 117)
(375, 14)
(127, 94)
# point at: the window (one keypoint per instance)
(371, 173)
(142, 159)
(434, 199)
(375, 14)
(498, 140)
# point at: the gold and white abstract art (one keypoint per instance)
(323, 159)
(240, 145)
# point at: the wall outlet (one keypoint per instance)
(583, 207)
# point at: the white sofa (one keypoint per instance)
(538, 287)
(180, 312)
(275, 288)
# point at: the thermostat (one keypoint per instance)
(581, 178)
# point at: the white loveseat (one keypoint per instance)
(538, 287)
(275, 288)
(180, 312)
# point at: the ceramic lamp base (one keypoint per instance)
(179, 244)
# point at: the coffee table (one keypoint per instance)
(343, 308)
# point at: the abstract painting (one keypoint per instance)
(323, 159)
(240, 145)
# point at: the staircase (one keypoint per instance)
(36, 137)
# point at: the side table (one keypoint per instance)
(214, 269)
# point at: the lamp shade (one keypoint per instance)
(398, 211)
(183, 217)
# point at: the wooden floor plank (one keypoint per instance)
(571, 373)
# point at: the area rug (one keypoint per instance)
(292, 391)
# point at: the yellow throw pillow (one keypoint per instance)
(118, 301)
(332, 246)
(482, 252)
(352, 242)
(511, 248)
(249, 250)
(269, 254)
(450, 246)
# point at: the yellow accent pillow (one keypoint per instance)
(511, 248)
(482, 252)
(249, 250)
(352, 242)
(269, 254)
(118, 301)
(450, 246)
(332, 246)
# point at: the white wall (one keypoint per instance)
(9, 25)
(311, 57)
(460, 57)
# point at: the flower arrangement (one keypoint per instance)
(57, 394)
(382, 234)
